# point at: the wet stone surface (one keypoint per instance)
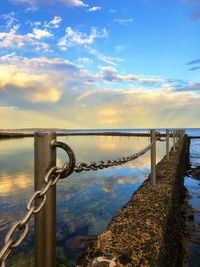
(148, 230)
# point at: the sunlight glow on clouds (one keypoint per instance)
(36, 80)
(92, 67)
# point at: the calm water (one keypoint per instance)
(193, 186)
(86, 202)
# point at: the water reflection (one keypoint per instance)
(86, 201)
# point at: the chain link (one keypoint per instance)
(19, 230)
(83, 166)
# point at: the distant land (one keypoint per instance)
(33, 129)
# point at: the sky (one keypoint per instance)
(82, 64)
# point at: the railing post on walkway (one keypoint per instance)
(174, 141)
(167, 145)
(153, 158)
(177, 138)
(45, 220)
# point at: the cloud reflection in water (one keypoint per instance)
(87, 201)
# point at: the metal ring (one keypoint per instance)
(67, 169)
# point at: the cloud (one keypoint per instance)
(109, 60)
(110, 74)
(38, 34)
(73, 37)
(83, 38)
(13, 40)
(195, 68)
(54, 23)
(84, 59)
(187, 87)
(194, 62)
(36, 88)
(94, 8)
(37, 80)
(123, 22)
(92, 107)
(106, 59)
(34, 3)
(10, 19)
(75, 3)
(138, 108)
(197, 61)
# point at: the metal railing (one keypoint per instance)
(42, 203)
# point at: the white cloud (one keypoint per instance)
(34, 3)
(10, 19)
(106, 59)
(54, 23)
(38, 34)
(94, 8)
(80, 38)
(73, 37)
(84, 59)
(124, 22)
(13, 40)
(75, 3)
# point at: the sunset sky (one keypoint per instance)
(99, 64)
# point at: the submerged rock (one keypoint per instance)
(195, 172)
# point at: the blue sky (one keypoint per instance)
(99, 64)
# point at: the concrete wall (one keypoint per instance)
(148, 230)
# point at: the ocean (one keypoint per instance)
(86, 201)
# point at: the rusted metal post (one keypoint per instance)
(45, 220)
(167, 145)
(174, 141)
(153, 158)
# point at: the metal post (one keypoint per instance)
(167, 145)
(153, 158)
(45, 220)
(174, 141)
(177, 138)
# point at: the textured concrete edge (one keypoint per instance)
(148, 230)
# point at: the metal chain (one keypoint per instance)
(83, 166)
(19, 230)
